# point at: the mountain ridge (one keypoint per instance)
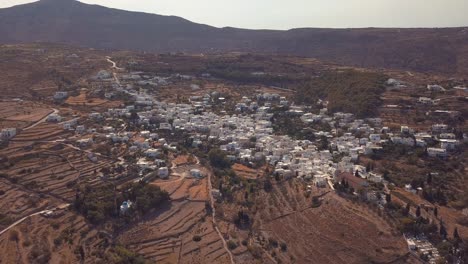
(441, 50)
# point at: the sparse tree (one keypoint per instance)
(456, 236)
(407, 209)
(388, 198)
(429, 179)
(443, 230)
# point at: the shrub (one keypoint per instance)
(218, 159)
(283, 246)
(232, 245)
(273, 242)
(196, 238)
(14, 235)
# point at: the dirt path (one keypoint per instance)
(55, 111)
(114, 66)
(21, 220)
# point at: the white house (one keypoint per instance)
(437, 152)
(152, 153)
(449, 144)
(125, 207)
(435, 88)
(320, 180)
(374, 177)
(8, 133)
(405, 129)
(165, 126)
(375, 138)
(163, 173)
(196, 173)
(425, 100)
(54, 118)
(60, 96)
(439, 128)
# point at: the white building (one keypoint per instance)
(374, 177)
(60, 96)
(54, 118)
(196, 173)
(435, 88)
(125, 207)
(163, 173)
(439, 128)
(437, 152)
(449, 144)
(375, 138)
(8, 133)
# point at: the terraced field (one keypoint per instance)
(170, 236)
(335, 231)
(42, 132)
(63, 239)
(183, 231)
(52, 168)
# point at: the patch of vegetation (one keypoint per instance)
(121, 255)
(5, 220)
(101, 204)
(348, 91)
(146, 196)
(218, 159)
(232, 245)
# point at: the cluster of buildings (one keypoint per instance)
(247, 135)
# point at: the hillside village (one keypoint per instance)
(140, 137)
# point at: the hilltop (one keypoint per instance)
(441, 50)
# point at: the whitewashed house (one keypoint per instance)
(8, 133)
(163, 173)
(375, 138)
(435, 88)
(54, 118)
(449, 144)
(437, 152)
(58, 96)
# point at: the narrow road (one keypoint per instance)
(62, 206)
(21, 220)
(114, 65)
(55, 111)
(212, 202)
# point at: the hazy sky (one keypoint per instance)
(286, 14)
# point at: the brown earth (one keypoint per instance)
(337, 231)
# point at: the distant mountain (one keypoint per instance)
(72, 22)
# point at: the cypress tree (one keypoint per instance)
(418, 212)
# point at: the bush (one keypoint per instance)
(13, 236)
(196, 238)
(122, 255)
(232, 245)
(273, 243)
(256, 251)
(218, 159)
(283, 246)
